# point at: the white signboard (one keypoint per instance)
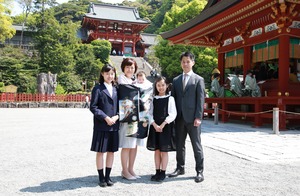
(237, 39)
(227, 42)
(271, 27)
(256, 32)
(295, 24)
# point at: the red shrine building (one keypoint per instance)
(259, 35)
(120, 25)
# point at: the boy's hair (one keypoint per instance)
(140, 73)
(158, 79)
(106, 68)
(187, 54)
(129, 62)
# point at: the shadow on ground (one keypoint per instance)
(89, 181)
(62, 185)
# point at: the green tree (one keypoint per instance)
(73, 10)
(19, 68)
(159, 8)
(87, 66)
(205, 58)
(58, 59)
(60, 90)
(19, 19)
(70, 82)
(6, 31)
(1, 87)
(180, 13)
(168, 55)
(44, 22)
(26, 8)
(102, 49)
(54, 42)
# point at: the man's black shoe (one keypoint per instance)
(199, 177)
(176, 173)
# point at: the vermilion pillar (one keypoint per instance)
(283, 76)
(221, 66)
(284, 63)
(247, 60)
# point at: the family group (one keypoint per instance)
(173, 114)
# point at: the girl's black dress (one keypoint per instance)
(163, 141)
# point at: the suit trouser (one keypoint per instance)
(181, 130)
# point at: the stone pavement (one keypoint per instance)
(45, 151)
(254, 144)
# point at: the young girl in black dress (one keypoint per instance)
(104, 106)
(163, 110)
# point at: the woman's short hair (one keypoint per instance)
(129, 62)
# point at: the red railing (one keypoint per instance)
(256, 109)
(22, 97)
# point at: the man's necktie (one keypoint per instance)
(184, 81)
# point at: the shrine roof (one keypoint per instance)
(149, 39)
(212, 8)
(18, 27)
(115, 13)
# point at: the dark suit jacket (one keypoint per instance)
(103, 105)
(190, 102)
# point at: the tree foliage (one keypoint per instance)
(70, 82)
(181, 12)
(168, 54)
(6, 31)
(153, 10)
(18, 68)
(169, 59)
(102, 49)
(73, 10)
(87, 66)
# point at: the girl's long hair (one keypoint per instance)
(106, 68)
(160, 78)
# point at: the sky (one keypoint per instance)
(17, 9)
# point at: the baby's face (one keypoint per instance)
(141, 79)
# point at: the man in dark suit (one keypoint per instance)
(188, 91)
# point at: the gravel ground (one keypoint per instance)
(46, 151)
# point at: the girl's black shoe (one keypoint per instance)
(161, 177)
(102, 183)
(109, 182)
(156, 176)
